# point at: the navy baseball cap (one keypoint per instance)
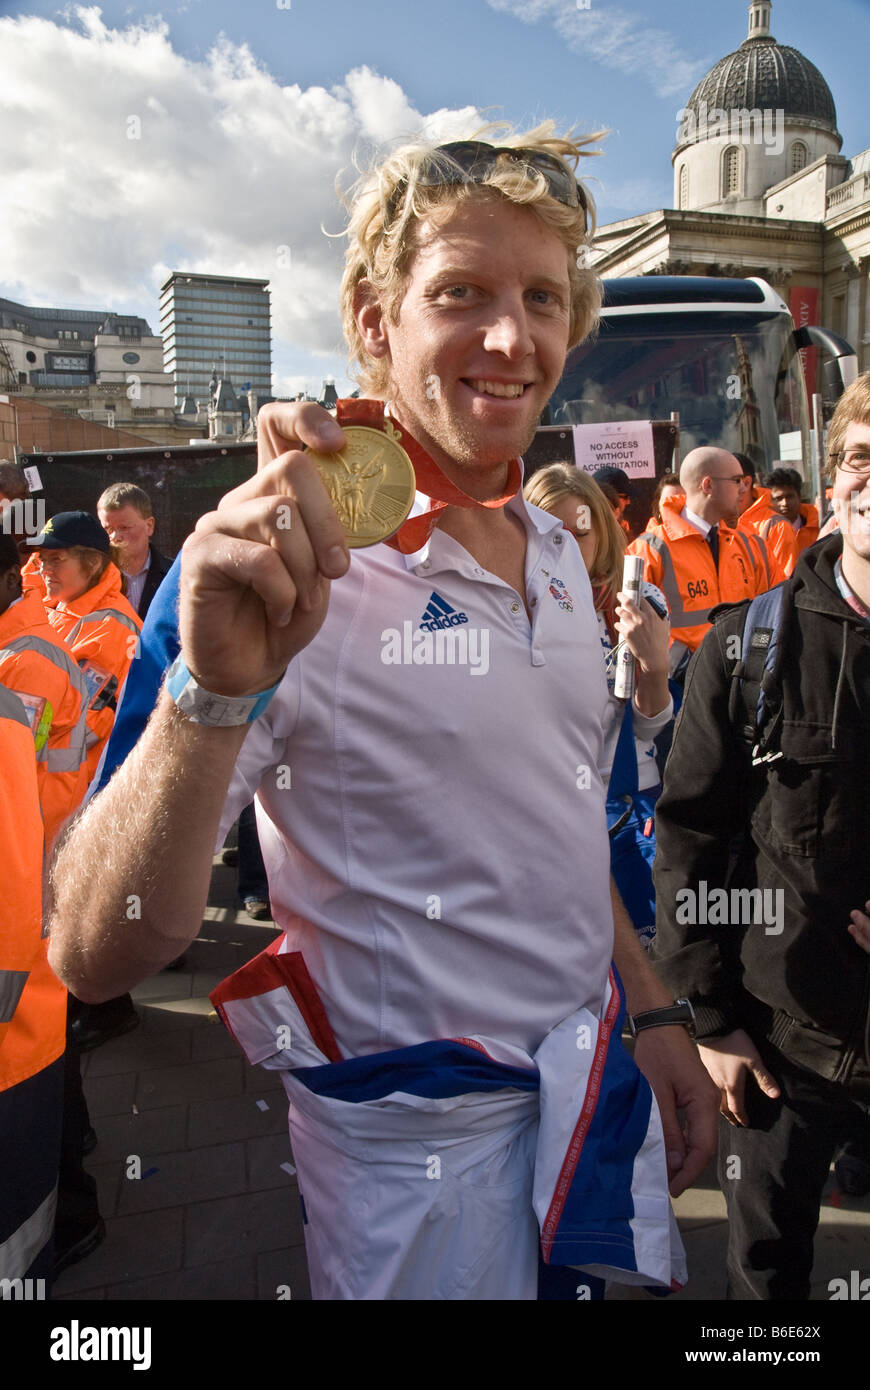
(615, 477)
(72, 528)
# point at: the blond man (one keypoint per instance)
(428, 980)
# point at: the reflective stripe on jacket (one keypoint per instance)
(36, 663)
(678, 559)
(102, 631)
(32, 999)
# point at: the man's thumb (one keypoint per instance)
(765, 1081)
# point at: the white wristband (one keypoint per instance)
(203, 707)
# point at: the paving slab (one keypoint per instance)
(235, 1117)
(195, 1081)
(134, 1053)
(265, 1155)
(249, 1224)
(284, 1270)
(174, 1179)
(230, 1280)
(171, 984)
(211, 1042)
(150, 1131)
(110, 1095)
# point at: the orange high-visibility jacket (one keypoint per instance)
(809, 532)
(761, 516)
(679, 561)
(102, 631)
(32, 998)
(771, 563)
(37, 664)
(31, 574)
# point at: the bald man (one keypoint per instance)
(694, 565)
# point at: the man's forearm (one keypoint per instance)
(130, 880)
(643, 988)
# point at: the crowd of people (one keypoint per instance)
(72, 601)
(480, 884)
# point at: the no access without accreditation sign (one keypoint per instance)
(625, 444)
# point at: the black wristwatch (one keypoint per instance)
(679, 1012)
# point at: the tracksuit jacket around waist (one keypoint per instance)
(798, 979)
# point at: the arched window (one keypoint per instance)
(799, 155)
(731, 171)
(684, 187)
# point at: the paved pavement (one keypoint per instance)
(216, 1213)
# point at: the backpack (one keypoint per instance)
(755, 703)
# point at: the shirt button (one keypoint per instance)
(478, 570)
(426, 565)
(557, 540)
(532, 602)
(515, 608)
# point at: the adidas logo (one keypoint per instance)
(438, 615)
(436, 641)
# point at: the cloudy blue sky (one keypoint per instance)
(247, 112)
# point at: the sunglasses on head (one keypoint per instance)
(473, 161)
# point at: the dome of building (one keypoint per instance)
(769, 76)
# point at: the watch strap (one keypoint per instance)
(680, 1011)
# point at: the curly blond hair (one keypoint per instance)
(387, 204)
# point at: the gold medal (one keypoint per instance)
(370, 482)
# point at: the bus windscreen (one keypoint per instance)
(734, 380)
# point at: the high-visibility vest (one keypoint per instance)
(32, 998)
(102, 632)
(761, 516)
(678, 559)
(771, 563)
(36, 663)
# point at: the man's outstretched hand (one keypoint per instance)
(255, 574)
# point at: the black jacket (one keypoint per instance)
(798, 826)
(159, 567)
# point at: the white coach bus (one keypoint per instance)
(722, 356)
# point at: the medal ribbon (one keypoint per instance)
(413, 534)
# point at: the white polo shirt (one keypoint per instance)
(434, 830)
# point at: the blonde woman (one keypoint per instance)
(629, 768)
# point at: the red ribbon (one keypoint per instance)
(413, 534)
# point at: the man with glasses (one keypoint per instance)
(781, 1004)
(695, 562)
(423, 970)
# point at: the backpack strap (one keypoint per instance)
(754, 674)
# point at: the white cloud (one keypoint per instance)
(132, 161)
(621, 39)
